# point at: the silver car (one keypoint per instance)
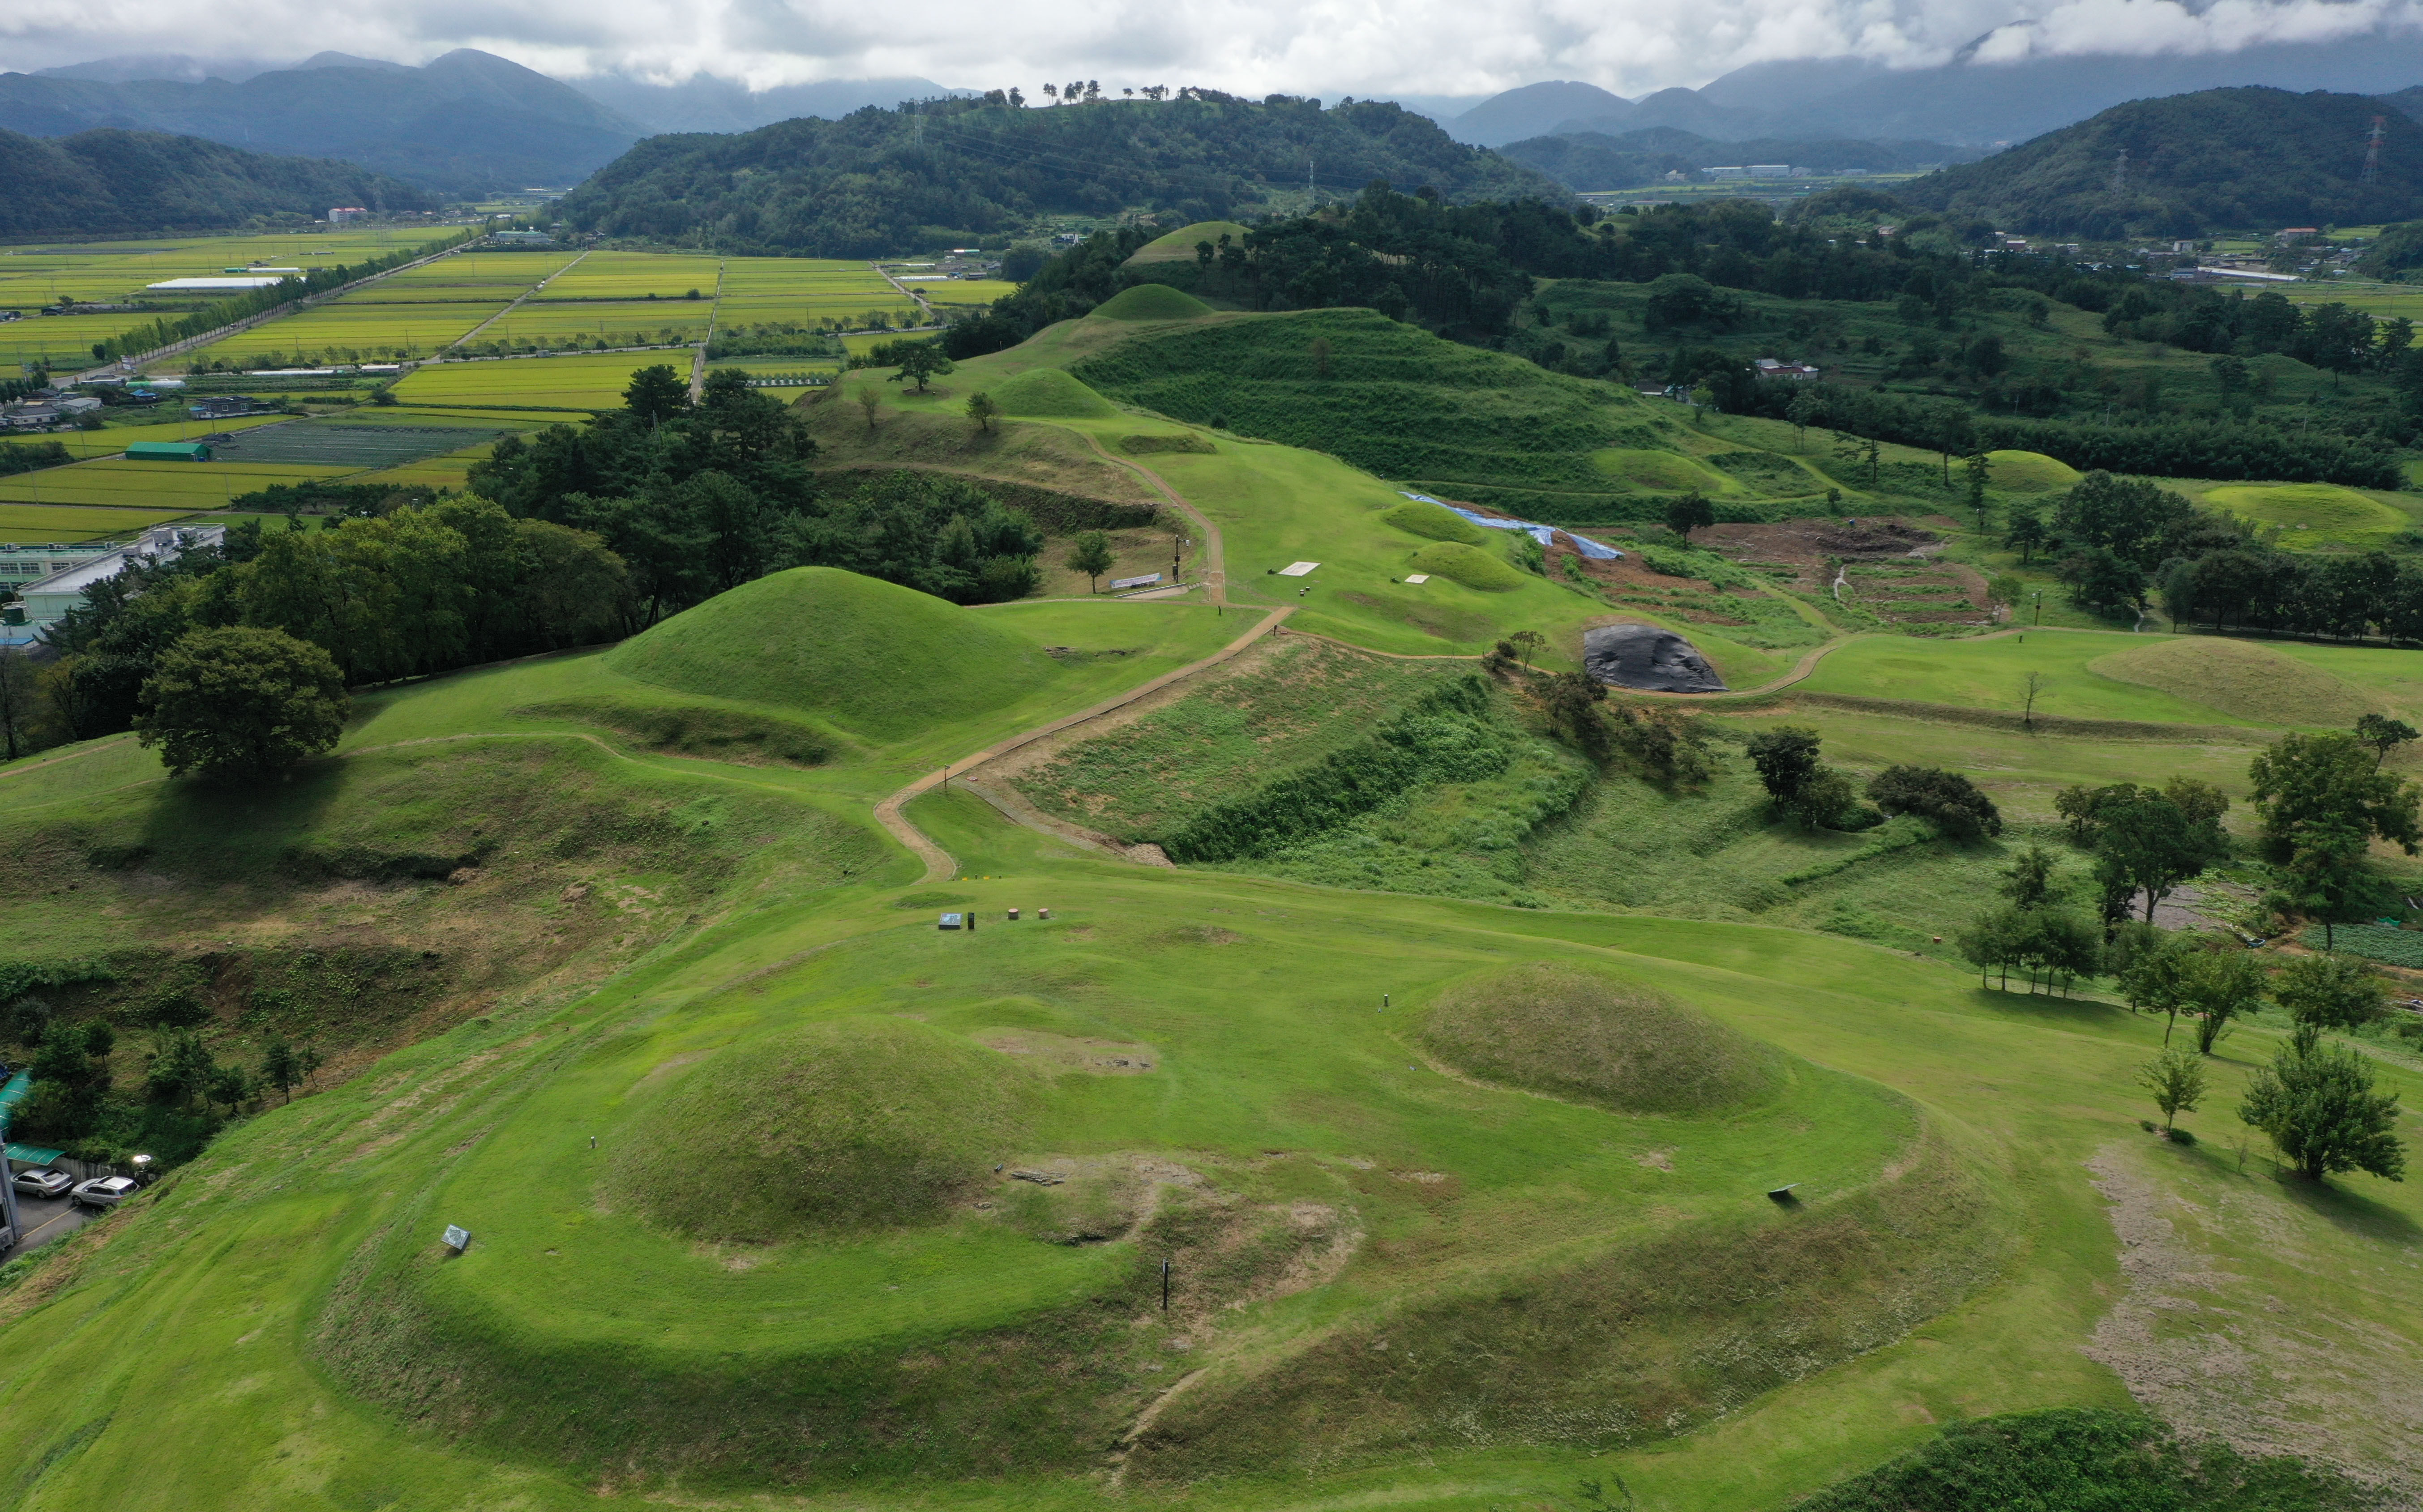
(106, 1192)
(42, 1182)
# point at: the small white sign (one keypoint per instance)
(1419, 578)
(457, 1239)
(1145, 581)
(1297, 569)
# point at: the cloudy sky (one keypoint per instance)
(1352, 46)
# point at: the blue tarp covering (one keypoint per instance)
(1537, 533)
(14, 1093)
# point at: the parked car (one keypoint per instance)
(43, 1181)
(106, 1192)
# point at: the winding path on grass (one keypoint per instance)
(1215, 551)
(939, 862)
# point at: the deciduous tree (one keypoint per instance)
(242, 702)
(2318, 1104)
(2175, 1079)
(1089, 552)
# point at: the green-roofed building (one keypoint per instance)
(167, 451)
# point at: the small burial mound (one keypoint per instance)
(2309, 512)
(869, 656)
(843, 1126)
(1149, 301)
(2240, 679)
(1434, 521)
(1468, 565)
(1587, 1038)
(1647, 657)
(1179, 245)
(2029, 472)
(1048, 393)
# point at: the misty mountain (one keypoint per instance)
(465, 124)
(2219, 159)
(880, 180)
(707, 103)
(178, 67)
(1965, 100)
(1593, 160)
(114, 183)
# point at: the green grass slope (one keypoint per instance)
(870, 656)
(1179, 245)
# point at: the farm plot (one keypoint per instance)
(519, 269)
(112, 271)
(28, 523)
(636, 275)
(61, 340)
(967, 291)
(573, 383)
(615, 323)
(335, 444)
(808, 291)
(179, 487)
(452, 470)
(117, 438)
(348, 332)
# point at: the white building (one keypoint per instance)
(67, 571)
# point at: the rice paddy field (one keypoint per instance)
(512, 270)
(450, 470)
(806, 290)
(335, 444)
(21, 523)
(966, 292)
(569, 383)
(348, 330)
(117, 438)
(617, 322)
(635, 276)
(181, 487)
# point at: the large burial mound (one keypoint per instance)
(1436, 521)
(1051, 394)
(1150, 302)
(871, 656)
(1646, 657)
(849, 1125)
(2240, 679)
(1591, 1039)
(1179, 245)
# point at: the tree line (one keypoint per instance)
(154, 335)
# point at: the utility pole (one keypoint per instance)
(2372, 150)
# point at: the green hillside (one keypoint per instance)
(870, 656)
(2220, 159)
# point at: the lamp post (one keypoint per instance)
(8, 1192)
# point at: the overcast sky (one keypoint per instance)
(1247, 46)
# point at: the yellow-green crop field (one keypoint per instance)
(806, 292)
(179, 487)
(2381, 301)
(347, 331)
(966, 291)
(61, 340)
(646, 319)
(636, 275)
(449, 471)
(519, 269)
(114, 271)
(588, 382)
(32, 523)
(385, 292)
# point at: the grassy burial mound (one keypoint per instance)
(2312, 514)
(1050, 393)
(1149, 301)
(1472, 566)
(2030, 472)
(1590, 1038)
(1434, 521)
(1179, 245)
(873, 658)
(2241, 678)
(849, 1124)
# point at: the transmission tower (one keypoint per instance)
(2372, 149)
(2120, 173)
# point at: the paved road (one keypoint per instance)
(40, 1220)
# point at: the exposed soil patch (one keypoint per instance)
(1096, 1057)
(1889, 566)
(2197, 1346)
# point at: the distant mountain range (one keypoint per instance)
(114, 183)
(466, 123)
(1965, 102)
(1593, 160)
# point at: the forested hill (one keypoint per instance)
(1594, 160)
(2196, 162)
(882, 180)
(113, 182)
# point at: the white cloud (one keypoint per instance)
(1247, 46)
